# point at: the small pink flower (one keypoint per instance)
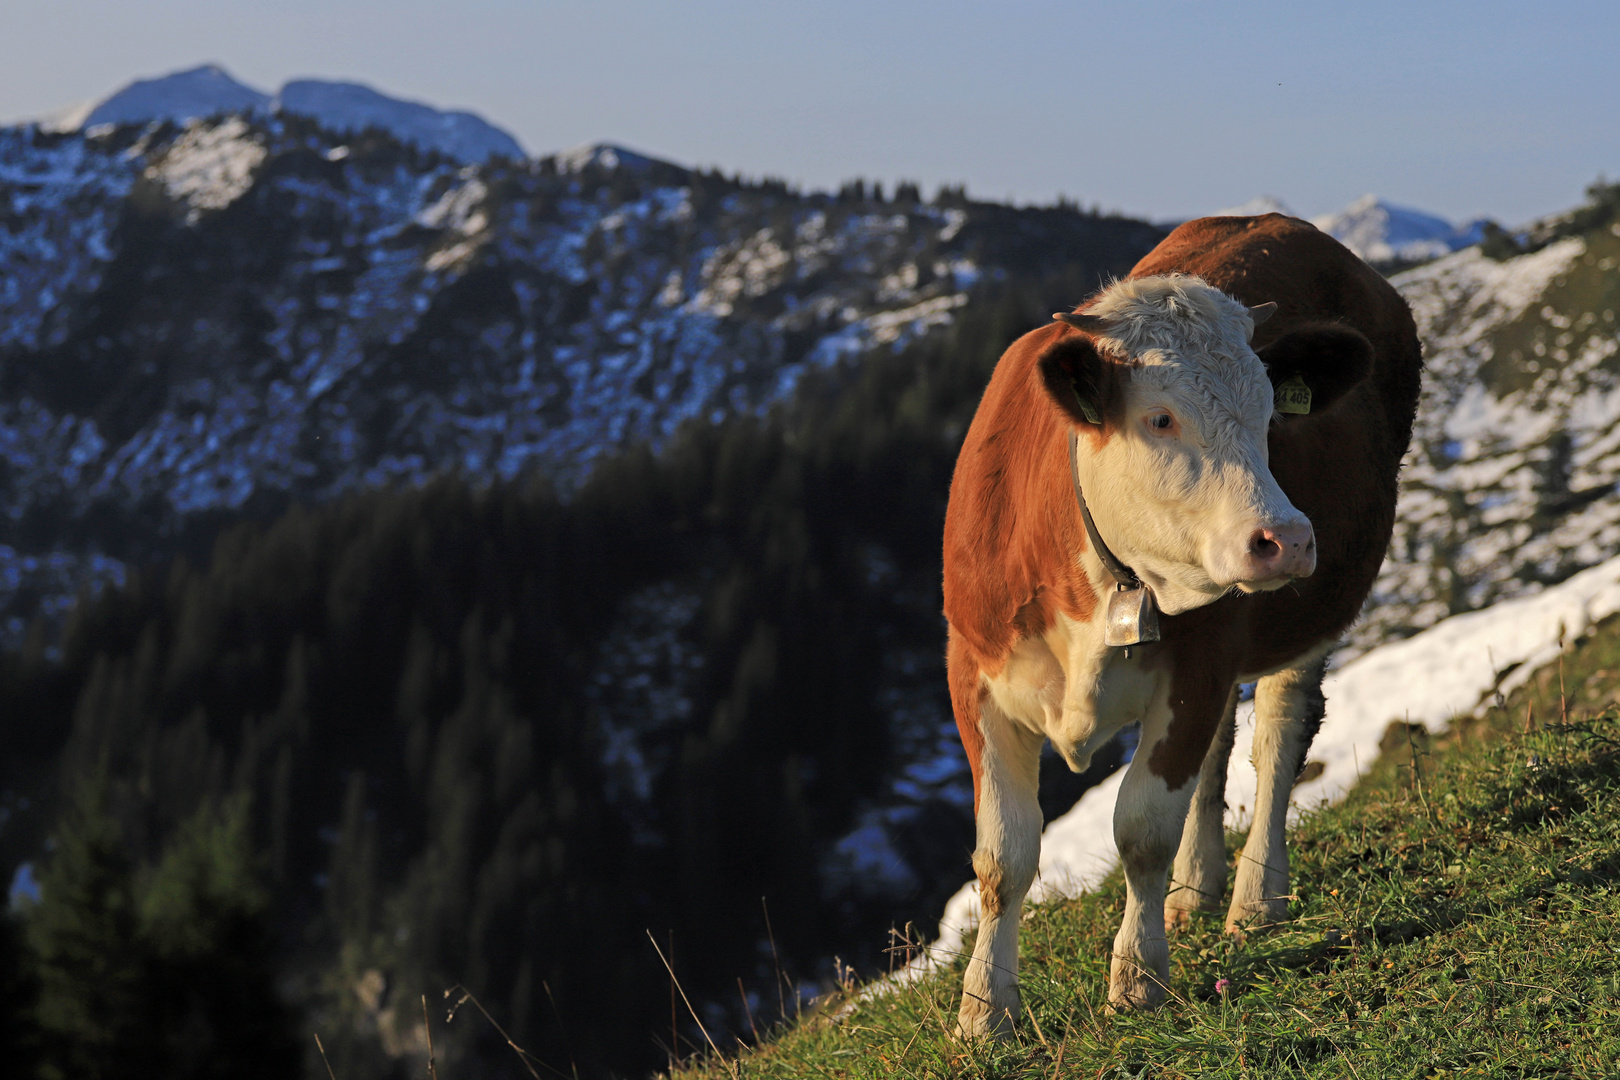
(1222, 985)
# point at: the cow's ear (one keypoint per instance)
(1078, 378)
(1314, 366)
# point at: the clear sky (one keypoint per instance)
(1163, 109)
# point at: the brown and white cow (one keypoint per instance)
(1254, 508)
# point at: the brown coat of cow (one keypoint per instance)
(1013, 538)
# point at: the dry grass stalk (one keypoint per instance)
(322, 1049)
(523, 1055)
(427, 1028)
(682, 989)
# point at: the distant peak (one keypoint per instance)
(209, 90)
(1382, 232)
(602, 156)
(1260, 204)
(353, 107)
(178, 97)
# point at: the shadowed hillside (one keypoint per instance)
(482, 735)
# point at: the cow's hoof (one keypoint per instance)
(1255, 915)
(1151, 998)
(1138, 982)
(977, 1020)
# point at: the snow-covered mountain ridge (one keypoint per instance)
(206, 320)
(1379, 231)
(346, 107)
(1511, 481)
(1383, 233)
(203, 320)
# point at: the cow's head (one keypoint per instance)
(1173, 409)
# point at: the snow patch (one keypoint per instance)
(602, 156)
(210, 167)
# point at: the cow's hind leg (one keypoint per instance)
(1198, 879)
(1008, 819)
(1288, 708)
(1148, 818)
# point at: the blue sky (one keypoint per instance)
(1164, 110)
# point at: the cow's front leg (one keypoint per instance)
(1288, 708)
(1198, 879)
(1148, 818)
(1008, 818)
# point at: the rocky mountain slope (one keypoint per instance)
(207, 320)
(1511, 482)
(198, 322)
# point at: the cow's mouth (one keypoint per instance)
(1249, 588)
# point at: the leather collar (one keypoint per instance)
(1121, 573)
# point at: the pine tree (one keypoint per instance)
(85, 939)
(168, 974)
(211, 956)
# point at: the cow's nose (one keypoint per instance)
(1283, 550)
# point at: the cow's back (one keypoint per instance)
(1341, 465)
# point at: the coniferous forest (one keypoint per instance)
(491, 735)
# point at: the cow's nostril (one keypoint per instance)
(1263, 547)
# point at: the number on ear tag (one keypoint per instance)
(1293, 396)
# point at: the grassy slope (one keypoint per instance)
(1462, 921)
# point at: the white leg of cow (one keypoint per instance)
(1147, 828)
(1005, 860)
(1288, 708)
(1198, 879)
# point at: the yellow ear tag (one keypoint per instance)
(1293, 396)
(1086, 407)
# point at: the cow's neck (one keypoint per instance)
(1116, 567)
(1130, 612)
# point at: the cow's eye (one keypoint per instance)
(1161, 421)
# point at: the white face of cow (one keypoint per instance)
(1173, 454)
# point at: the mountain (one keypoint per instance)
(1382, 233)
(1260, 204)
(203, 322)
(601, 156)
(185, 95)
(699, 433)
(664, 641)
(1511, 481)
(353, 107)
(346, 107)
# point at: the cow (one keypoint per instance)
(1185, 484)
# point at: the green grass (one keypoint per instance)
(1460, 919)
